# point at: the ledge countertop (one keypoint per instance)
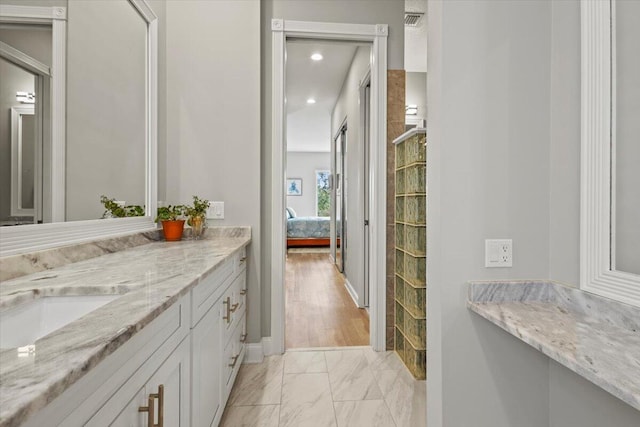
(595, 337)
(150, 279)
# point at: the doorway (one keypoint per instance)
(324, 302)
(376, 35)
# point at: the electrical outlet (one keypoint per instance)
(498, 253)
(216, 210)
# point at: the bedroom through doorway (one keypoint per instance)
(326, 174)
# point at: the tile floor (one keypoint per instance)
(341, 387)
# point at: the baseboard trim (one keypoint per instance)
(352, 292)
(255, 352)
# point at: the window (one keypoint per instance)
(323, 193)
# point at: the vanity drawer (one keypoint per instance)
(208, 291)
(233, 355)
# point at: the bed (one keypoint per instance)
(307, 230)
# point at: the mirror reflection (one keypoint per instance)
(106, 110)
(626, 126)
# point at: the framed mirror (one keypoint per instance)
(94, 101)
(610, 176)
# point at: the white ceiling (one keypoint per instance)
(415, 39)
(309, 126)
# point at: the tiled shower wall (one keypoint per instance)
(410, 253)
(396, 81)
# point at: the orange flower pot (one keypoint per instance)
(173, 230)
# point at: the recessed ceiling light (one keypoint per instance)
(316, 57)
(311, 101)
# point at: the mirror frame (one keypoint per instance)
(596, 252)
(34, 237)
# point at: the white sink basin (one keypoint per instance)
(24, 324)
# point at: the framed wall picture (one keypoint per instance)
(294, 186)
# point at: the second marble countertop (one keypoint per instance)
(595, 337)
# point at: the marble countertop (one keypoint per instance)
(150, 279)
(595, 337)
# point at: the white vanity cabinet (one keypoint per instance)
(177, 371)
(217, 348)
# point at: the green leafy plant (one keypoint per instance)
(198, 208)
(116, 210)
(170, 213)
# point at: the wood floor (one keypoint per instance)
(319, 310)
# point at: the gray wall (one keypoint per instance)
(503, 161)
(348, 106)
(212, 142)
(304, 165)
(353, 11)
(106, 68)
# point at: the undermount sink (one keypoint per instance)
(23, 325)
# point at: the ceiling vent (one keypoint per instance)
(412, 19)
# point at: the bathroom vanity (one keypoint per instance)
(165, 351)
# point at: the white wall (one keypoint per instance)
(416, 93)
(308, 129)
(212, 115)
(353, 11)
(503, 161)
(304, 165)
(348, 106)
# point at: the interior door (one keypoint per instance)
(338, 193)
(366, 109)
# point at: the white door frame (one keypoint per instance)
(377, 35)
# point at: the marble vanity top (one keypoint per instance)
(595, 337)
(149, 277)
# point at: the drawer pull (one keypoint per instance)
(243, 338)
(235, 307)
(150, 408)
(227, 303)
(235, 360)
(243, 259)
(243, 292)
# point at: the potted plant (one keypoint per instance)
(117, 209)
(172, 222)
(197, 214)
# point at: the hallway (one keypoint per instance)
(319, 310)
(340, 388)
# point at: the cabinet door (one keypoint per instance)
(206, 361)
(173, 376)
(123, 409)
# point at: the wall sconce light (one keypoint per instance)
(26, 97)
(411, 110)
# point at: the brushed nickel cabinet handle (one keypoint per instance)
(235, 307)
(227, 302)
(160, 405)
(243, 338)
(235, 360)
(243, 292)
(243, 259)
(150, 409)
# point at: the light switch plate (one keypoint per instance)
(216, 210)
(498, 253)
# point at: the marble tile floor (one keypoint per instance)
(341, 387)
